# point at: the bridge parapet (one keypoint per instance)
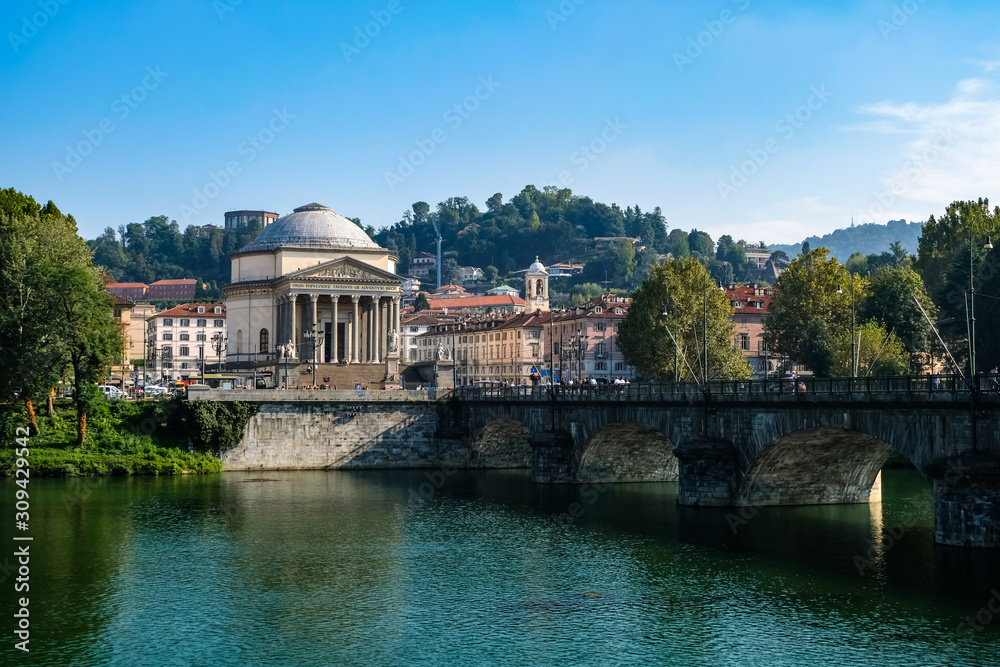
(198, 393)
(903, 389)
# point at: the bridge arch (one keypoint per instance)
(501, 443)
(627, 452)
(819, 466)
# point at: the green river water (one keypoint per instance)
(332, 568)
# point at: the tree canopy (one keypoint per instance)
(668, 315)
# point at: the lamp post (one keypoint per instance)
(972, 305)
(854, 353)
(220, 341)
(312, 336)
(704, 296)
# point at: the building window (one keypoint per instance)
(598, 310)
(599, 349)
(619, 365)
(414, 329)
(219, 323)
(201, 352)
(599, 326)
(185, 322)
(200, 336)
(184, 364)
(413, 355)
(185, 335)
(744, 342)
(168, 321)
(618, 311)
(265, 340)
(183, 351)
(600, 365)
(202, 323)
(239, 341)
(168, 336)
(118, 313)
(218, 310)
(555, 349)
(201, 309)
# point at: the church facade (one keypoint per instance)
(313, 288)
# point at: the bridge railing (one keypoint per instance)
(914, 387)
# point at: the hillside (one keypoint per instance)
(867, 239)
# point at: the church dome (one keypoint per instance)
(537, 267)
(311, 226)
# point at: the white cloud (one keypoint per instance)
(951, 152)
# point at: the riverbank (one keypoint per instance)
(123, 438)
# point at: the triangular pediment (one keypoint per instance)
(347, 268)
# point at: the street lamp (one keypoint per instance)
(972, 305)
(220, 342)
(854, 354)
(313, 336)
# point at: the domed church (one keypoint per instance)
(314, 275)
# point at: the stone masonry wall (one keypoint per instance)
(343, 435)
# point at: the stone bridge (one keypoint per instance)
(738, 444)
(742, 445)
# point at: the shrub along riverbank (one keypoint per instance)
(128, 438)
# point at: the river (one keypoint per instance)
(380, 567)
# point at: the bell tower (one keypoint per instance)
(536, 288)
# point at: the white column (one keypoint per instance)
(313, 325)
(355, 329)
(378, 330)
(333, 334)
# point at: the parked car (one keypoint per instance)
(154, 390)
(111, 393)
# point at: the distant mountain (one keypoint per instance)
(867, 239)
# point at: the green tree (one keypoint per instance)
(880, 352)
(451, 272)
(32, 246)
(701, 243)
(890, 302)
(668, 314)
(490, 274)
(814, 287)
(677, 243)
(421, 303)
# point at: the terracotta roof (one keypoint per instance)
(747, 294)
(121, 301)
(176, 281)
(123, 285)
(191, 310)
(497, 301)
(428, 317)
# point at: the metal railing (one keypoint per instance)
(918, 387)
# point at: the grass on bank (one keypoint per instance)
(123, 438)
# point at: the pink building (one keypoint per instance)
(750, 304)
(585, 341)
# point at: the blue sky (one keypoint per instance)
(765, 120)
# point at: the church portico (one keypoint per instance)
(340, 305)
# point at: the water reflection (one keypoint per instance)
(361, 567)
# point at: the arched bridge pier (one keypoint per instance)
(738, 444)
